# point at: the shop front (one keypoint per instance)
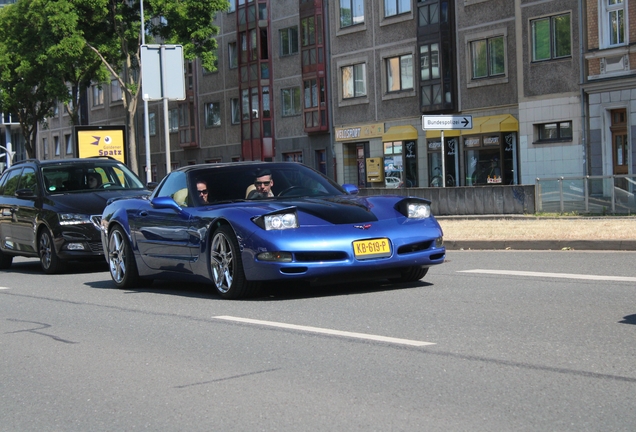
(358, 143)
(400, 156)
(483, 155)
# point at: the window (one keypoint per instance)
(291, 101)
(354, 82)
(232, 7)
(69, 144)
(288, 41)
(396, 7)
(487, 57)
(212, 114)
(399, 72)
(613, 22)
(98, 95)
(551, 38)
(45, 147)
(56, 143)
(173, 120)
(351, 12)
(152, 124)
(428, 14)
(115, 91)
(232, 55)
(236, 111)
(558, 131)
(429, 62)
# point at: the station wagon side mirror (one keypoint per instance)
(24, 193)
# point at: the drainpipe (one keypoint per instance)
(584, 142)
(325, 20)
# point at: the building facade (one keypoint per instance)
(342, 86)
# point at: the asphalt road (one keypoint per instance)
(488, 341)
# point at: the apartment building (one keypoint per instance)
(342, 86)
(610, 86)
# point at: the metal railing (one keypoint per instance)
(589, 194)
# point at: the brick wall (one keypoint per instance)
(592, 25)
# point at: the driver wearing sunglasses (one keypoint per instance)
(263, 186)
(202, 190)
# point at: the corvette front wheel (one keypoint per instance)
(121, 261)
(226, 267)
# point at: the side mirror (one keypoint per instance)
(24, 193)
(350, 189)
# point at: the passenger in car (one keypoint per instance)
(93, 180)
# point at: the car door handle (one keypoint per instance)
(143, 213)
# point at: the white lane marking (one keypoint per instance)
(553, 275)
(5, 288)
(327, 331)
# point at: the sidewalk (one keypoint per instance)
(518, 232)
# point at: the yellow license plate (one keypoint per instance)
(372, 248)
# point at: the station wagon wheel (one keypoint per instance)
(411, 274)
(121, 262)
(49, 259)
(226, 267)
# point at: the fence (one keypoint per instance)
(470, 200)
(589, 194)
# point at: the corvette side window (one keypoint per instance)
(175, 182)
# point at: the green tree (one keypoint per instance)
(32, 78)
(112, 29)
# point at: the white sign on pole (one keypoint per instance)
(442, 122)
(162, 73)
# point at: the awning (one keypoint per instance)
(481, 125)
(500, 123)
(400, 133)
(477, 122)
(434, 133)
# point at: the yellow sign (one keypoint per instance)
(361, 132)
(375, 169)
(101, 141)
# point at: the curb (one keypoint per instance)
(591, 245)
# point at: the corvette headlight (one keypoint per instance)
(418, 210)
(73, 218)
(281, 221)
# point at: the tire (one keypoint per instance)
(226, 267)
(121, 260)
(411, 274)
(5, 260)
(49, 259)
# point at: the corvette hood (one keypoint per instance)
(336, 210)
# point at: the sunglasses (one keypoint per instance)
(203, 191)
(263, 183)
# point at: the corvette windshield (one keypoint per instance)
(89, 176)
(231, 183)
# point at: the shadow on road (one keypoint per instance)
(274, 291)
(629, 319)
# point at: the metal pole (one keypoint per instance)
(146, 120)
(8, 142)
(443, 161)
(164, 91)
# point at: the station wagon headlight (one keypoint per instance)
(281, 221)
(73, 218)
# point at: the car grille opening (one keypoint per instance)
(319, 256)
(415, 247)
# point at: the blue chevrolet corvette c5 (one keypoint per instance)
(237, 225)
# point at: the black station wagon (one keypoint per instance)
(52, 209)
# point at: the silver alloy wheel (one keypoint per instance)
(221, 261)
(45, 249)
(117, 256)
